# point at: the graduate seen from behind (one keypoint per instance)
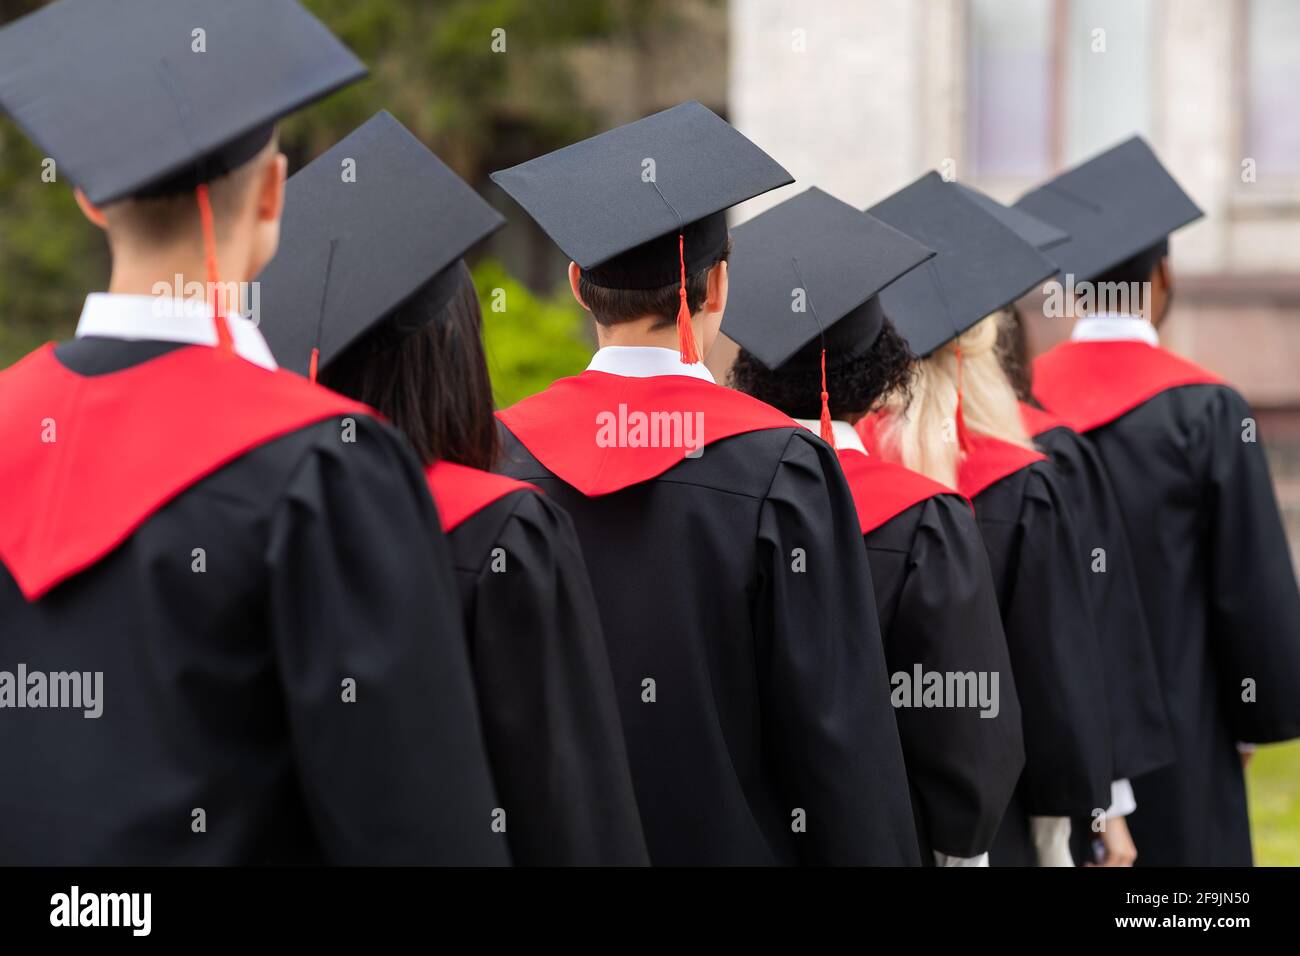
(1141, 739)
(959, 424)
(719, 534)
(1188, 469)
(815, 344)
(232, 548)
(371, 292)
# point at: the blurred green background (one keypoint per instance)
(568, 70)
(571, 68)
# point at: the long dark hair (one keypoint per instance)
(423, 367)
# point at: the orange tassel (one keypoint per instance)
(225, 343)
(311, 369)
(828, 433)
(685, 333)
(961, 420)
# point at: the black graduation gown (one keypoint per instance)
(1032, 548)
(1219, 590)
(1141, 737)
(223, 691)
(938, 609)
(545, 691)
(748, 667)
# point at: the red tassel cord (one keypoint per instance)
(828, 433)
(961, 419)
(685, 333)
(224, 342)
(311, 368)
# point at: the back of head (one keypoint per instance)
(612, 303)
(157, 221)
(921, 429)
(856, 385)
(424, 368)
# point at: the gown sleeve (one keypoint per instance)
(362, 590)
(828, 725)
(963, 765)
(1141, 737)
(1057, 661)
(550, 713)
(1255, 625)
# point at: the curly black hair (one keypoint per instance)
(856, 385)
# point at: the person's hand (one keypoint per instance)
(1120, 850)
(1245, 758)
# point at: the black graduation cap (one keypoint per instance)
(1039, 234)
(354, 248)
(130, 98)
(639, 206)
(1114, 206)
(980, 265)
(804, 275)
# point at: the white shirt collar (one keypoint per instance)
(845, 435)
(161, 319)
(1112, 326)
(645, 361)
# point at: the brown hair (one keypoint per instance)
(612, 306)
(160, 221)
(424, 368)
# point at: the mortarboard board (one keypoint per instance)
(980, 265)
(118, 96)
(351, 252)
(822, 254)
(155, 97)
(1039, 234)
(838, 256)
(1114, 206)
(643, 205)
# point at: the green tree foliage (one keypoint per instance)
(530, 340)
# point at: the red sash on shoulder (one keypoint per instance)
(988, 460)
(1038, 421)
(125, 444)
(882, 489)
(1090, 384)
(461, 492)
(602, 433)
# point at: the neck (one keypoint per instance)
(180, 274)
(641, 332)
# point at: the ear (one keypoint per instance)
(90, 210)
(1164, 275)
(270, 189)
(716, 298)
(575, 273)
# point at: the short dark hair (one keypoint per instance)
(1134, 271)
(856, 385)
(612, 306)
(424, 368)
(154, 221)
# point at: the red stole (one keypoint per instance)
(602, 433)
(882, 489)
(1038, 421)
(1089, 384)
(461, 492)
(124, 445)
(989, 460)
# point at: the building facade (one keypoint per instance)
(862, 96)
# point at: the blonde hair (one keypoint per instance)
(921, 433)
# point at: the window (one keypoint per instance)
(1272, 74)
(1050, 82)
(1009, 88)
